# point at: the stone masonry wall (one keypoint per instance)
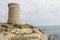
(14, 13)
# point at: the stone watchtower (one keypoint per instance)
(14, 13)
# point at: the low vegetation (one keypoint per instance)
(52, 37)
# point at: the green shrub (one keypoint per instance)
(4, 26)
(31, 26)
(52, 37)
(10, 23)
(33, 31)
(16, 26)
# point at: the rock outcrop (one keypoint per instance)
(21, 32)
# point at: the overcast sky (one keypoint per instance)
(35, 12)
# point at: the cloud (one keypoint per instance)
(3, 10)
(14, 1)
(40, 12)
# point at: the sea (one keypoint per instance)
(52, 30)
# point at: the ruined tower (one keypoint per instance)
(14, 13)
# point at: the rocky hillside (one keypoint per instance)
(10, 31)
